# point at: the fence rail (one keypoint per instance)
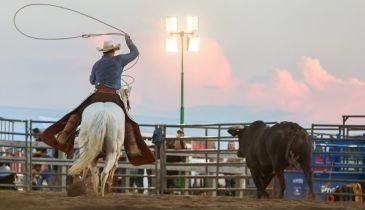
(203, 170)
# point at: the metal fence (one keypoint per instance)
(202, 170)
(205, 167)
(338, 158)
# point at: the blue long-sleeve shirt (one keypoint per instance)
(108, 69)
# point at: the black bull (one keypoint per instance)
(270, 150)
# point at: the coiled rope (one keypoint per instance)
(121, 32)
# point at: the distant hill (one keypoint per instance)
(197, 114)
(229, 114)
(193, 115)
(26, 113)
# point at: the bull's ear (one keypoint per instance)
(235, 130)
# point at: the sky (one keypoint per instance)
(296, 60)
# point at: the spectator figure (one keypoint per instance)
(36, 134)
(175, 144)
(7, 177)
(231, 182)
(157, 139)
(137, 180)
(37, 179)
(41, 172)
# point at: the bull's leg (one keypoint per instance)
(267, 179)
(280, 175)
(308, 176)
(258, 178)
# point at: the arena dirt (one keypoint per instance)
(15, 200)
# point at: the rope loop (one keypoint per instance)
(120, 33)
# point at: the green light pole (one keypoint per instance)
(172, 46)
(182, 113)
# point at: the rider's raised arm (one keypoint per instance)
(126, 58)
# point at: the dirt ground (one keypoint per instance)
(15, 200)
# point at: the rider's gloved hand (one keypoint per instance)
(126, 36)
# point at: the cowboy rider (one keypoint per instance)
(106, 76)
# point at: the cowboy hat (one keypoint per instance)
(107, 46)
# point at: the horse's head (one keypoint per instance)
(124, 93)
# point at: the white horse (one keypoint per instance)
(102, 131)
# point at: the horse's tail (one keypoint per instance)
(92, 145)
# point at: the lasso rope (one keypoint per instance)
(122, 33)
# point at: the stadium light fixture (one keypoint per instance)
(171, 24)
(172, 45)
(192, 24)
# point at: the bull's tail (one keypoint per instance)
(92, 144)
(289, 155)
(298, 153)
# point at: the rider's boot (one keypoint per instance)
(70, 128)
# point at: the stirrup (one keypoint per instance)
(64, 141)
(134, 154)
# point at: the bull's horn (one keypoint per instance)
(235, 130)
(236, 127)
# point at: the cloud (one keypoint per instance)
(315, 75)
(208, 77)
(318, 96)
(282, 91)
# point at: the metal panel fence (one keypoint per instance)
(206, 166)
(202, 170)
(338, 159)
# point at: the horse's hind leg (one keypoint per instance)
(95, 177)
(110, 163)
(84, 174)
(109, 181)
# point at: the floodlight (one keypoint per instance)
(192, 24)
(193, 44)
(171, 24)
(171, 44)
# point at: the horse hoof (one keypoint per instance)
(108, 188)
(76, 189)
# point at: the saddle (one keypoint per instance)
(137, 150)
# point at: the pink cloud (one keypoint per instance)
(209, 67)
(280, 91)
(315, 75)
(208, 75)
(316, 97)
(357, 83)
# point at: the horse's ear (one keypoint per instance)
(124, 95)
(127, 92)
(129, 89)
